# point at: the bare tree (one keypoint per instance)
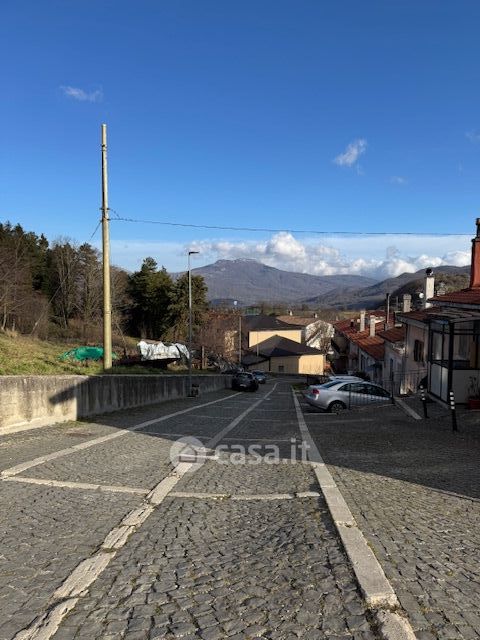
(89, 287)
(65, 264)
(15, 282)
(219, 334)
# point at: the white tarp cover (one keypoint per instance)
(161, 351)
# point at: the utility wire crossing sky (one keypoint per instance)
(346, 120)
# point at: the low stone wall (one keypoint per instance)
(41, 400)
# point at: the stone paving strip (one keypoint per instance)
(91, 443)
(244, 496)
(76, 585)
(410, 411)
(377, 590)
(414, 488)
(216, 569)
(44, 533)
(20, 447)
(85, 486)
(233, 479)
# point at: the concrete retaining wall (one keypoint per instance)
(41, 400)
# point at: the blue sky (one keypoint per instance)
(303, 114)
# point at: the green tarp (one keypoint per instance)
(84, 353)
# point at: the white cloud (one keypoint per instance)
(372, 257)
(352, 153)
(473, 136)
(400, 180)
(375, 256)
(81, 95)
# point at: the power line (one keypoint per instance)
(95, 231)
(269, 230)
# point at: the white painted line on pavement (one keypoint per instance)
(377, 590)
(219, 436)
(247, 439)
(244, 496)
(46, 625)
(77, 583)
(64, 484)
(13, 471)
(408, 410)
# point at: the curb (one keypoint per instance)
(377, 591)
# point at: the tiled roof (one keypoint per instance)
(257, 323)
(297, 320)
(374, 346)
(450, 314)
(419, 314)
(464, 296)
(395, 334)
(345, 326)
(276, 346)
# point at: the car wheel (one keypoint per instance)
(337, 407)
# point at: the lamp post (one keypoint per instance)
(190, 253)
(235, 302)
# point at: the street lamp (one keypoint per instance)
(235, 302)
(190, 253)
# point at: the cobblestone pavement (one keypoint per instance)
(232, 552)
(44, 533)
(414, 489)
(224, 569)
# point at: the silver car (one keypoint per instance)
(338, 395)
(333, 378)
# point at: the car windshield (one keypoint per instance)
(327, 385)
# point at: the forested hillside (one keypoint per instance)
(55, 291)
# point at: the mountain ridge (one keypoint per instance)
(253, 282)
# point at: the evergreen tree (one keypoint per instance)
(178, 308)
(150, 290)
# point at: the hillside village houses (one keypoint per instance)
(285, 344)
(437, 344)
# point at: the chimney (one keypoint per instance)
(362, 320)
(429, 287)
(475, 267)
(407, 303)
(372, 326)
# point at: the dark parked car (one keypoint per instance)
(232, 371)
(244, 382)
(260, 377)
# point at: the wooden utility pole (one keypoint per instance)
(107, 303)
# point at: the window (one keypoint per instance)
(358, 387)
(462, 344)
(281, 368)
(418, 351)
(377, 391)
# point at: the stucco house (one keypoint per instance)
(281, 355)
(444, 337)
(316, 332)
(260, 328)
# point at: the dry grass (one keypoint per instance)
(24, 355)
